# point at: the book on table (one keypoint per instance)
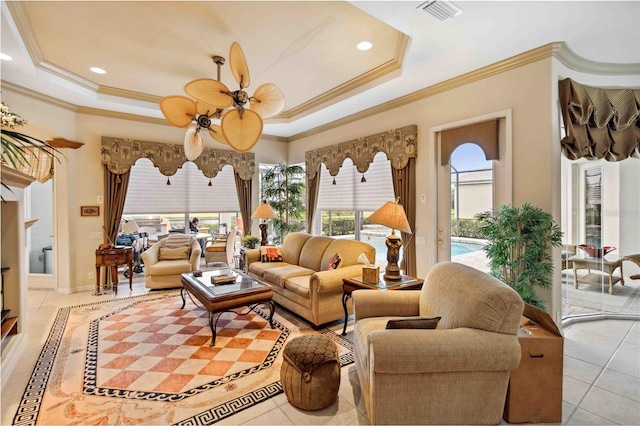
(223, 279)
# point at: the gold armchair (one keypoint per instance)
(455, 374)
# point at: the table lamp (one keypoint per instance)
(392, 215)
(264, 211)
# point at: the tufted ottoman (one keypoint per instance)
(310, 372)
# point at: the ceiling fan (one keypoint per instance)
(239, 126)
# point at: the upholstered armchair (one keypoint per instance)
(220, 249)
(168, 259)
(456, 373)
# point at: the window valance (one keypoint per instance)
(484, 134)
(120, 154)
(599, 123)
(399, 145)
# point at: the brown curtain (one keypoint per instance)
(244, 191)
(115, 193)
(484, 134)
(313, 185)
(599, 123)
(404, 186)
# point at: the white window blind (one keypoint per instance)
(349, 193)
(149, 193)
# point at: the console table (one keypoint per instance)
(113, 257)
(606, 268)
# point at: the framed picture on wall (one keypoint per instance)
(90, 211)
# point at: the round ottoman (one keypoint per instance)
(310, 372)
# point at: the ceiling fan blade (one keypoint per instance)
(178, 110)
(209, 91)
(268, 101)
(238, 65)
(193, 144)
(242, 133)
(216, 133)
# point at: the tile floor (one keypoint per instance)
(601, 372)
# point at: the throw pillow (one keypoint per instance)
(335, 261)
(270, 254)
(413, 323)
(174, 253)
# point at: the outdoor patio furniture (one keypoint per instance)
(635, 258)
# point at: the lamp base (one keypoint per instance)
(392, 275)
(263, 231)
(392, 272)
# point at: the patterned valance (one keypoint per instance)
(120, 154)
(399, 145)
(599, 123)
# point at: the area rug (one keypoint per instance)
(144, 360)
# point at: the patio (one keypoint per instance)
(586, 299)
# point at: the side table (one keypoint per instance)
(349, 285)
(607, 267)
(113, 257)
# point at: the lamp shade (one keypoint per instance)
(264, 211)
(392, 216)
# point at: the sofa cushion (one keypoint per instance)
(270, 254)
(299, 285)
(349, 251)
(173, 253)
(279, 275)
(292, 246)
(311, 254)
(259, 268)
(169, 267)
(422, 323)
(216, 246)
(177, 240)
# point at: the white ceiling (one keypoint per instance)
(152, 48)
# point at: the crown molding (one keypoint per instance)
(14, 88)
(129, 94)
(122, 116)
(572, 60)
(558, 50)
(21, 20)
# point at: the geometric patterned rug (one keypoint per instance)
(143, 360)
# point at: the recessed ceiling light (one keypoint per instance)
(364, 45)
(5, 57)
(98, 70)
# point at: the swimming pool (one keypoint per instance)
(457, 248)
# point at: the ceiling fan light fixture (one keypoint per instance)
(441, 9)
(240, 127)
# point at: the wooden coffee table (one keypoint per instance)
(349, 285)
(221, 298)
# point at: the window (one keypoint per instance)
(157, 200)
(344, 207)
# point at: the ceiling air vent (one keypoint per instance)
(441, 9)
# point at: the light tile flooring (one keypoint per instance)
(601, 372)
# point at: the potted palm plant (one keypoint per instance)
(518, 248)
(15, 144)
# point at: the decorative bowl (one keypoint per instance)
(596, 252)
